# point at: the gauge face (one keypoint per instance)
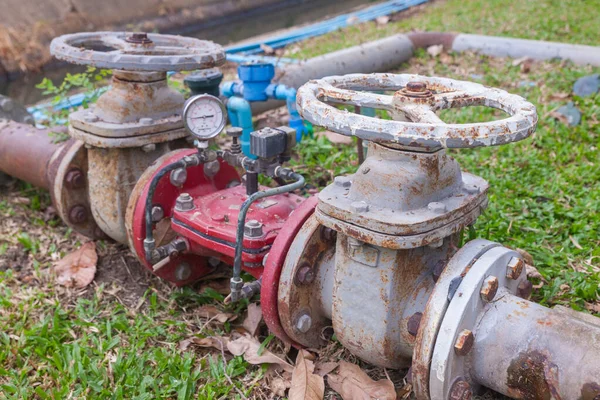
(204, 116)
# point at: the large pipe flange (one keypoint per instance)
(417, 98)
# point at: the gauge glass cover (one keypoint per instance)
(204, 116)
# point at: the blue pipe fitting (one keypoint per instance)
(256, 78)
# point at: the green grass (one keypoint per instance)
(570, 21)
(544, 197)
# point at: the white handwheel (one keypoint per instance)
(417, 98)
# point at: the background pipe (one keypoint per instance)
(26, 152)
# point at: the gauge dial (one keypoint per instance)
(204, 116)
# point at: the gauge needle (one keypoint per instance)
(202, 117)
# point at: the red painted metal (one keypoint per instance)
(212, 224)
(197, 185)
(274, 265)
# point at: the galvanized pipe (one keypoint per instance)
(526, 351)
(26, 152)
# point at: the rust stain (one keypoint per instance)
(531, 376)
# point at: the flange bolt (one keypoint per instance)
(412, 325)
(342, 181)
(461, 390)
(303, 323)
(305, 275)
(184, 202)
(359, 207)
(489, 289)
(78, 214)
(253, 229)
(525, 289)
(178, 177)
(138, 38)
(515, 268)
(464, 343)
(157, 213)
(75, 179)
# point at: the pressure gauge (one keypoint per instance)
(204, 116)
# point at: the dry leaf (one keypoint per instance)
(559, 96)
(249, 346)
(163, 233)
(268, 50)
(218, 343)
(325, 368)
(575, 242)
(305, 384)
(352, 383)
(279, 386)
(528, 258)
(212, 312)
(383, 20)
(253, 319)
(78, 268)
(593, 307)
(435, 50)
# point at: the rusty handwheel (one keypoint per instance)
(137, 51)
(417, 98)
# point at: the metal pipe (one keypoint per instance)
(526, 351)
(236, 282)
(26, 152)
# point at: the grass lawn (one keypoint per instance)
(121, 338)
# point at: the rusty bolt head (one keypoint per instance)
(78, 214)
(437, 207)
(515, 268)
(461, 390)
(138, 38)
(305, 275)
(489, 289)
(74, 179)
(525, 289)
(157, 213)
(149, 148)
(328, 234)
(359, 207)
(416, 86)
(304, 323)
(413, 323)
(464, 342)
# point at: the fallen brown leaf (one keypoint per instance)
(163, 233)
(253, 319)
(435, 50)
(325, 368)
(305, 384)
(249, 346)
(352, 383)
(593, 307)
(212, 312)
(218, 343)
(528, 258)
(279, 386)
(78, 268)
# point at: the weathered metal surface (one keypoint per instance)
(112, 175)
(467, 304)
(426, 131)
(25, 151)
(69, 188)
(406, 193)
(375, 303)
(275, 262)
(527, 351)
(198, 184)
(434, 312)
(160, 52)
(298, 299)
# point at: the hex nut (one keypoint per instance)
(157, 213)
(183, 271)
(437, 207)
(305, 275)
(413, 323)
(342, 181)
(253, 229)
(75, 179)
(415, 86)
(464, 343)
(78, 214)
(89, 117)
(178, 177)
(460, 390)
(515, 268)
(359, 207)
(148, 148)
(471, 189)
(525, 289)
(328, 234)
(184, 202)
(304, 323)
(489, 289)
